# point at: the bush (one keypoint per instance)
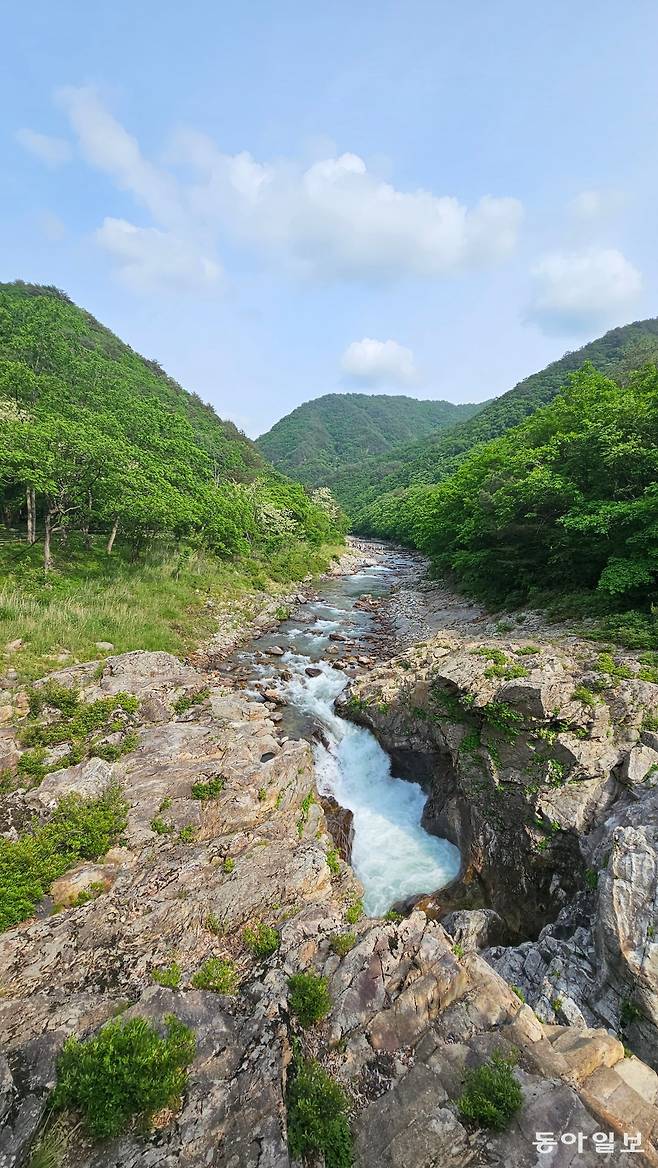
(208, 790)
(354, 912)
(341, 943)
(79, 829)
(491, 1094)
(317, 1119)
(168, 975)
(126, 1070)
(308, 997)
(262, 940)
(216, 974)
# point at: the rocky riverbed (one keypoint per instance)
(536, 763)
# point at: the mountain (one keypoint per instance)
(435, 456)
(327, 434)
(97, 439)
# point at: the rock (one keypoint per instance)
(105, 646)
(275, 650)
(640, 764)
(475, 929)
(312, 671)
(6, 714)
(13, 646)
(88, 779)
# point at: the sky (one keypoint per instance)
(278, 201)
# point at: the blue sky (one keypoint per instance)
(282, 200)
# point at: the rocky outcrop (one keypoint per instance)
(539, 765)
(412, 1006)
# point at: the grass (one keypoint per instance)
(491, 1095)
(168, 975)
(127, 1070)
(217, 974)
(160, 602)
(354, 912)
(317, 1116)
(208, 790)
(81, 726)
(261, 940)
(308, 997)
(341, 943)
(78, 829)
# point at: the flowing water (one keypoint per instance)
(392, 854)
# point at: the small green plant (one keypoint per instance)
(51, 1147)
(341, 943)
(317, 1116)
(187, 701)
(556, 1005)
(262, 794)
(127, 1070)
(354, 912)
(217, 974)
(591, 878)
(629, 1013)
(209, 789)
(504, 626)
(491, 1095)
(58, 697)
(586, 696)
(393, 915)
(506, 672)
(528, 650)
(491, 654)
(308, 997)
(333, 861)
(501, 717)
(470, 742)
(187, 834)
(166, 803)
(228, 865)
(168, 975)
(160, 826)
(458, 949)
(215, 924)
(282, 613)
(79, 829)
(261, 940)
(519, 993)
(304, 810)
(606, 664)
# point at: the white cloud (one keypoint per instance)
(52, 151)
(371, 362)
(150, 259)
(577, 291)
(332, 220)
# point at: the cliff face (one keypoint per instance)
(541, 764)
(411, 1007)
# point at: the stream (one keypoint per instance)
(305, 663)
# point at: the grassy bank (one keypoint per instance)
(160, 602)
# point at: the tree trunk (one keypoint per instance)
(113, 535)
(31, 516)
(47, 539)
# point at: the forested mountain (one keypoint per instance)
(96, 439)
(430, 460)
(324, 436)
(567, 501)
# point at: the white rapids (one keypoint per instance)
(392, 854)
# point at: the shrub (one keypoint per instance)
(126, 1070)
(317, 1116)
(168, 975)
(354, 912)
(228, 865)
(217, 974)
(208, 790)
(341, 943)
(333, 861)
(308, 997)
(79, 829)
(187, 701)
(491, 1094)
(187, 834)
(262, 940)
(160, 826)
(393, 915)
(59, 697)
(586, 696)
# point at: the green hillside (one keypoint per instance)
(434, 457)
(564, 503)
(330, 433)
(119, 486)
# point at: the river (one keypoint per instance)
(392, 854)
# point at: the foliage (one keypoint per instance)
(317, 1116)
(208, 789)
(168, 975)
(436, 457)
(261, 940)
(333, 861)
(126, 1070)
(354, 912)
(308, 997)
(189, 700)
(217, 974)
(491, 1094)
(341, 943)
(78, 829)
(566, 501)
(82, 725)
